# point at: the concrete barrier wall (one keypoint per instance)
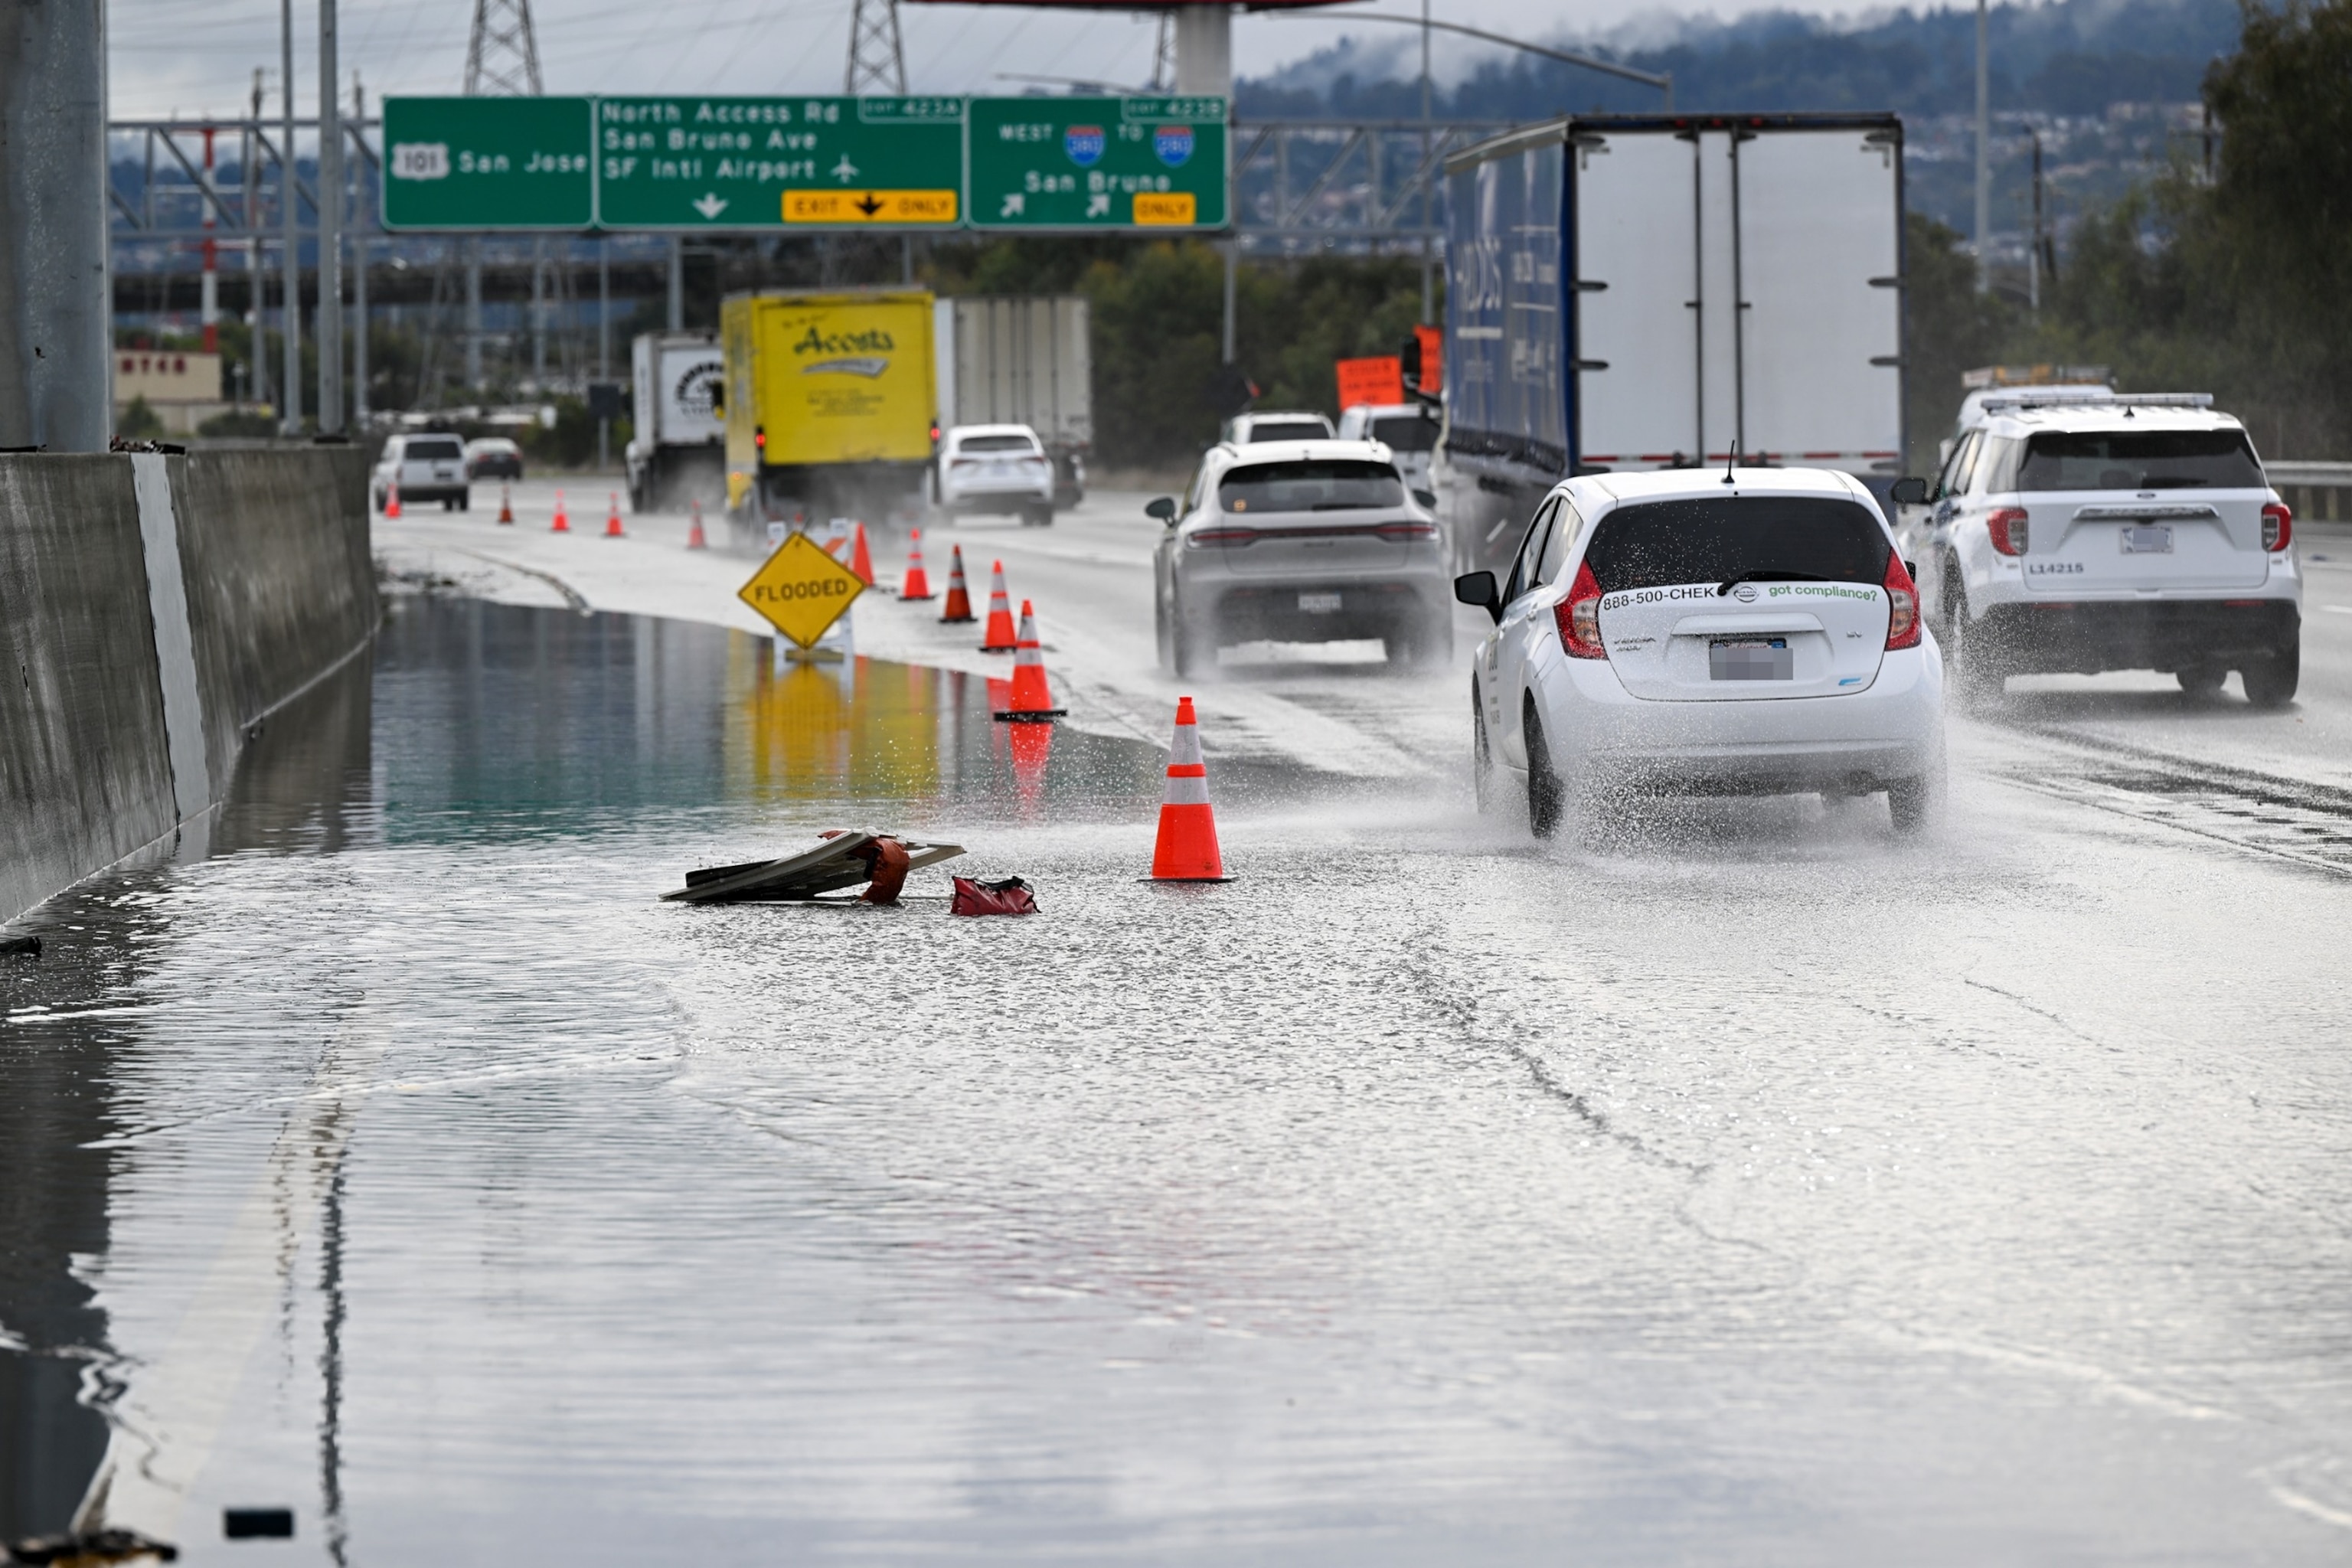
(152, 610)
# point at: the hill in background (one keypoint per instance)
(2071, 57)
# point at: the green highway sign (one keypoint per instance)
(1097, 163)
(688, 162)
(488, 164)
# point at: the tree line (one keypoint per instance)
(2236, 281)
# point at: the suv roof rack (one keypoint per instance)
(2113, 400)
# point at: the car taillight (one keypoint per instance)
(2007, 527)
(1903, 604)
(2278, 526)
(963, 462)
(1403, 531)
(1208, 536)
(1579, 616)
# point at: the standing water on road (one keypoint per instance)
(1750, 1187)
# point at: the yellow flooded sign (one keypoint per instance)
(800, 589)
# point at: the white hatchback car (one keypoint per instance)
(1749, 631)
(2138, 533)
(998, 470)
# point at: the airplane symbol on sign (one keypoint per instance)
(711, 205)
(844, 170)
(1014, 207)
(869, 203)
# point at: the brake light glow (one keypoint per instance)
(2278, 526)
(1235, 536)
(1902, 604)
(2007, 527)
(1579, 616)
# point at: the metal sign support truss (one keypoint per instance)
(1363, 179)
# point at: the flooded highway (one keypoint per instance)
(1737, 1184)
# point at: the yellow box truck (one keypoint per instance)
(831, 402)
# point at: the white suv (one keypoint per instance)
(2136, 533)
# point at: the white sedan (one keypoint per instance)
(995, 470)
(1744, 631)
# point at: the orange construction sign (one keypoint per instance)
(1370, 380)
(1432, 359)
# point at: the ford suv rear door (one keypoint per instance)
(2134, 510)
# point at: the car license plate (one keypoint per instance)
(1319, 603)
(2149, 538)
(1751, 659)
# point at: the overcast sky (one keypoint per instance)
(196, 56)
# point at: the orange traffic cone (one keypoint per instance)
(1033, 700)
(919, 582)
(695, 540)
(1187, 850)
(562, 523)
(506, 505)
(958, 605)
(392, 500)
(861, 560)
(613, 518)
(999, 637)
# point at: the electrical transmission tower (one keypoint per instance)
(1163, 55)
(878, 61)
(503, 57)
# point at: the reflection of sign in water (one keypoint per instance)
(801, 590)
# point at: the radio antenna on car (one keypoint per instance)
(1729, 459)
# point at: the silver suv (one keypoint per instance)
(1299, 541)
(2133, 533)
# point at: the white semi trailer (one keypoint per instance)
(1010, 360)
(678, 451)
(1642, 291)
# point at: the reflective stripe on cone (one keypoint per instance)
(1187, 847)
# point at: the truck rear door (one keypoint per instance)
(1737, 280)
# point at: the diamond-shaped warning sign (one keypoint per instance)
(800, 589)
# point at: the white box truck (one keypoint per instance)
(677, 452)
(1646, 291)
(1010, 360)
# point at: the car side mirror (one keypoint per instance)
(1478, 589)
(1162, 506)
(1910, 493)
(1426, 497)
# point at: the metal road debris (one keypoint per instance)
(842, 860)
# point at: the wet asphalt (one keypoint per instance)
(1727, 1183)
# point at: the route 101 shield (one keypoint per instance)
(801, 590)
